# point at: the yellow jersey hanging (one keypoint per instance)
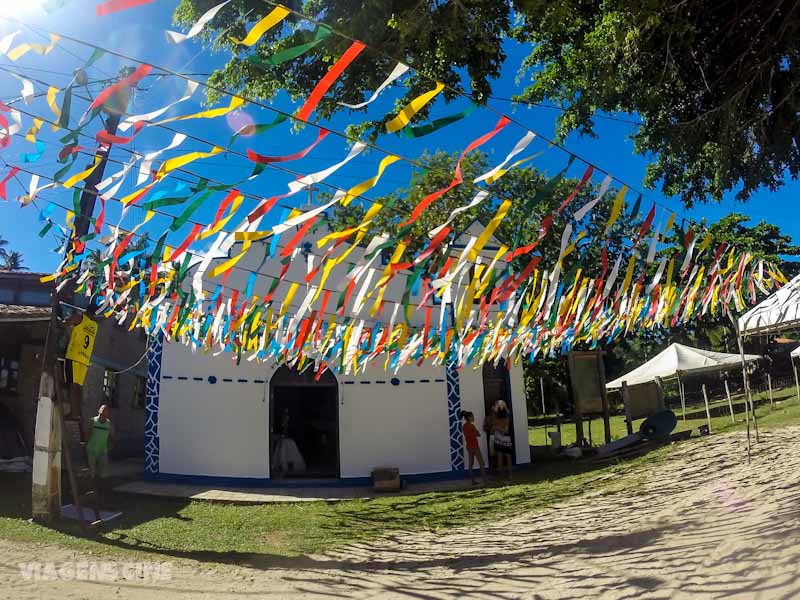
(81, 341)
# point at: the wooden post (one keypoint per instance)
(683, 396)
(769, 385)
(741, 355)
(626, 403)
(606, 404)
(730, 404)
(708, 411)
(541, 390)
(660, 391)
(46, 479)
(748, 399)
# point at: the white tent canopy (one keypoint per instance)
(678, 359)
(777, 312)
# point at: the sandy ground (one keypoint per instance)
(705, 525)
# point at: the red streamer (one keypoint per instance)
(287, 251)
(104, 137)
(131, 80)
(112, 6)
(68, 150)
(327, 81)
(186, 243)
(587, 175)
(458, 177)
(98, 224)
(261, 159)
(11, 173)
(646, 225)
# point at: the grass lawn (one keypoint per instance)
(537, 436)
(268, 533)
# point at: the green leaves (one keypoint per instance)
(714, 87)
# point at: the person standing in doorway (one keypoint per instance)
(471, 435)
(502, 439)
(101, 438)
(79, 356)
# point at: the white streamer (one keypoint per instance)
(398, 70)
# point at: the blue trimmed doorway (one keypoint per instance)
(304, 425)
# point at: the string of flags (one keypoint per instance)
(463, 304)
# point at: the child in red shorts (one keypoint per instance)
(471, 436)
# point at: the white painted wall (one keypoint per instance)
(471, 383)
(221, 429)
(404, 426)
(519, 407)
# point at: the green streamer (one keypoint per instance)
(636, 205)
(155, 257)
(161, 202)
(180, 221)
(46, 228)
(422, 130)
(259, 129)
(288, 54)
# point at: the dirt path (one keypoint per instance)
(705, 525)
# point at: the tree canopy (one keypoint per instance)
(714, 83)
(12, 261)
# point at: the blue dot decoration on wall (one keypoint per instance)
(395, 381)
(212, 379)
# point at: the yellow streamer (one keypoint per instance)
(628, 275)
(278, 14)
(501, 172)
(412, 108)
(51, 102)
(362, 187)
(179, 161)
(485, 283)
(16, 53)
(336, 235)
(237, 202)
(228, 264)
(490, 228)
(571, 247)
(616, 210)
(33, 131)
(82, 175)
(670, 221)
(236, 102)
(288, 300)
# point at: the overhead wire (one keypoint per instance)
(280, 112)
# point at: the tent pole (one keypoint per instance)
(708, 412)
(796, 382)
(769, 384)
(544, 416)
(730, 404)
(683, 396)
(749, 398)
(744, 373)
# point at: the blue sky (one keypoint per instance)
(139, 33)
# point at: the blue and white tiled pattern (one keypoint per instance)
(151, 440)
(454, 417)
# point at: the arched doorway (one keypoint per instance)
(304, 424)
(497, 386)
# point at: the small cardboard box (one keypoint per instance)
(386, 479)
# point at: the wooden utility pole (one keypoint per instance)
(51, 442)
(730, 403)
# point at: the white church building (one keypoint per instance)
(211, 421)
